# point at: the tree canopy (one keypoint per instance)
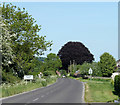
(5, 46)
(74, 52)
(107, 64)
(53, 62)
(27, 43)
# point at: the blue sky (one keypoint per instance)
(95, 24)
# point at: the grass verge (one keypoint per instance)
(98, 90)
(12, 89)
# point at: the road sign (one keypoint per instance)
(90, 71)
(28, 77)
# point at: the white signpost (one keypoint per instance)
(90, 72)
(28, 77)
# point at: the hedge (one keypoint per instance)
(117, 84)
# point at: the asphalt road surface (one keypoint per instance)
(65, 90)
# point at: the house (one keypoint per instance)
(118, 64)
(114, 74)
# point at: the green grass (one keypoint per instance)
(12, 89)
(98, 90)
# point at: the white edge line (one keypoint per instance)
(27, 91)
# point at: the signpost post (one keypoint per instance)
(90, 72)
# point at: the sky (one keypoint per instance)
(95, 24)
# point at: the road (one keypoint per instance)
(65, 90)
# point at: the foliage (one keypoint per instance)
(9, 77)
(107, 64)
(84, 68)
(44, 83)
(117, 85)
(52, 62)
(72, 74)
(21, 23)
(74, 51)
(41, 59)
(10, 89)
(5, 39)
(96, 69)
(72, 67)
(26, 43)
(48, 67)
(47, 73)
(38, 66)
(63, 72)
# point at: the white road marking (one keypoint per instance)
(36, 99)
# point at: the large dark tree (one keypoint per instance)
(74, 52)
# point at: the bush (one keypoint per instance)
(117, 85)
(47, 73)
(112, 82)
(9, 77)
(63, 72)
(44, 83)
(72, 74)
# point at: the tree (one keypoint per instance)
(27, 42)
(38, 66)
(96, 69)
(84, 68)
(5, 46)
(52, 62)
(107, 64)
(74, 51)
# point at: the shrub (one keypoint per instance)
(44, 83)
(63, 72)
(117, 85)
(72, 74)
(112, 82)
(47, 73)
(9, 77)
